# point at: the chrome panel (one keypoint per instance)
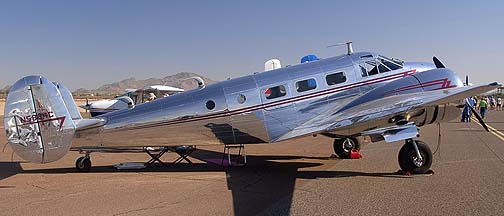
(246, 115)
(69, 101)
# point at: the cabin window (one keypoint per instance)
(210, 105)
(336, 78)
(306, 85)
(275, 92)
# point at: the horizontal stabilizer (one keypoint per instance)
(83, 124)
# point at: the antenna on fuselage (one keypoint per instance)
(348, 44)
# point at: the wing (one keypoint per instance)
(384, 108)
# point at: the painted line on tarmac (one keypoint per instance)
(492, 130)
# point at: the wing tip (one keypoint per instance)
(495, 84)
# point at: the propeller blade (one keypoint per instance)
(438, 63)
(477, 115)
(467, 80)
(87, 102)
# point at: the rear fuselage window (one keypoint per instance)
(306, 85)
(210, 105)
(336, 78)
(275, 92)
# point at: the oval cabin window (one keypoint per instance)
(210, 105)
(241, 99)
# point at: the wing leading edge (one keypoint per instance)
(384, 109)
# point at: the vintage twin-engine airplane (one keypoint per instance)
(343, 97)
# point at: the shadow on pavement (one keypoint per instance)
(255, 187)
(8, 169)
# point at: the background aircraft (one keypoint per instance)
(129, 98)
(344, 97)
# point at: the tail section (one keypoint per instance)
(38, 119)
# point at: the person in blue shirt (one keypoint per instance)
(466, 113)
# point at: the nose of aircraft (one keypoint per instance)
(419, 66)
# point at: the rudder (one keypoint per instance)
(37, 122)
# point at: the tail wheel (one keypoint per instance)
(409, 161)
(343, 147)
(83, 164)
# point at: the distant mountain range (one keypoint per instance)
(179, 80)
(5, 89)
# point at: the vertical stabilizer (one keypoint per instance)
(37, 123)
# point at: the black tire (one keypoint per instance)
(83, 164)
(343, 147)
(407, 158)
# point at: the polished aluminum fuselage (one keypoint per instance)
(184, 119)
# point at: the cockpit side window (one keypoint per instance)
(371, 67)
(363, 70)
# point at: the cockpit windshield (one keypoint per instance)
(397, 62)
(379, 65)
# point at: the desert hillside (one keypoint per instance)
(180, 80)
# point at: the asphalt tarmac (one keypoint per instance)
(297, 177)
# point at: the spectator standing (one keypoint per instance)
(466, 113)
(499, 104)
(483, 107)
(492, 102)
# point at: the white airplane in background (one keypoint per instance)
(128, 99)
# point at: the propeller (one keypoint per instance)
(437, 62)
(467, 80)
(87, 105)
(473, 110)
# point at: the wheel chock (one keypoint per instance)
(355, 154)
(408, 173)
(403, 172)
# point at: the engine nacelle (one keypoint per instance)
(37, 122)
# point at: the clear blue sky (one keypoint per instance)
(89, 43)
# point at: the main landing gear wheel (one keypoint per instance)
(410, 162)
(83, 164)
(343, 147)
